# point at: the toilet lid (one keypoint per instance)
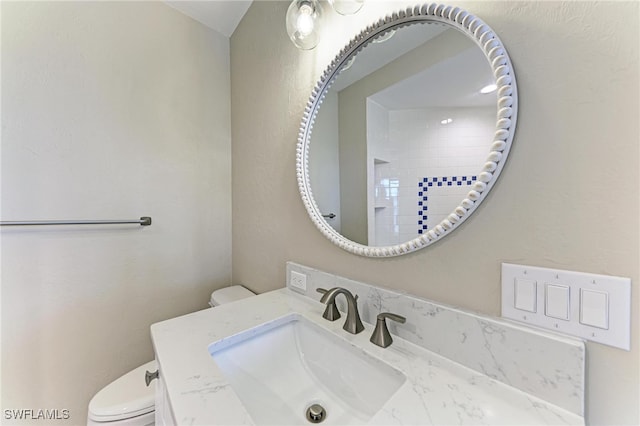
(125, 397)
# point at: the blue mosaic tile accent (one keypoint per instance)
(423, 187)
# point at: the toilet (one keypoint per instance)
(128, 401)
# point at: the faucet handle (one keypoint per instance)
(149, 377)
(331, 312)
(381, 335)
(395, 317)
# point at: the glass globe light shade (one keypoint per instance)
(346, 7)
(303, 23)
(385, 37)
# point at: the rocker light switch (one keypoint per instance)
(557, 302)
(525, 295)
(594, 308)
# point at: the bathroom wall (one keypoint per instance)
(379, 202)
(567, 198)
(110, 110)
(324, 168)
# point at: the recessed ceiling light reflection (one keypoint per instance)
(488, 89)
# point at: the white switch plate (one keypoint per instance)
(617, 289)
(298, 281)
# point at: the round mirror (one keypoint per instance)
(417, 118)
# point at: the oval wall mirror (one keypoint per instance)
(418, 115)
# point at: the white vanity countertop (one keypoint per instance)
(437, 391)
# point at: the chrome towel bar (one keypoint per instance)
(144, 221)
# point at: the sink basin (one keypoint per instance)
(280, 369)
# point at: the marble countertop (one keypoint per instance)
(437, 391)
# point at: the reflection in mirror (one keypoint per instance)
(402, 134)
(387, 164)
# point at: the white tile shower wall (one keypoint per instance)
(378, 204)
(420, 145)
(545, 365)
(439, 196)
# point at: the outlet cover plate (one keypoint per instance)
(298, 281)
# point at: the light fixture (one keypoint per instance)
(346, 7)
(488, 89)
(446, 121)
(348, 64)
(303, 19)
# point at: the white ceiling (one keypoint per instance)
(220, 15)
(452, 82)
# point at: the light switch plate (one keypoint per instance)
(617, 291)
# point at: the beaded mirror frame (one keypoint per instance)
(498, 59)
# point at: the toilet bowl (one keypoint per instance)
(128, 401)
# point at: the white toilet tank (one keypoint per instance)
(128, 401)
(229, 294)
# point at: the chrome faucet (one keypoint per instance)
(353, 324)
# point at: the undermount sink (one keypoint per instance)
(280, 369)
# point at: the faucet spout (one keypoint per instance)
(353, 324)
